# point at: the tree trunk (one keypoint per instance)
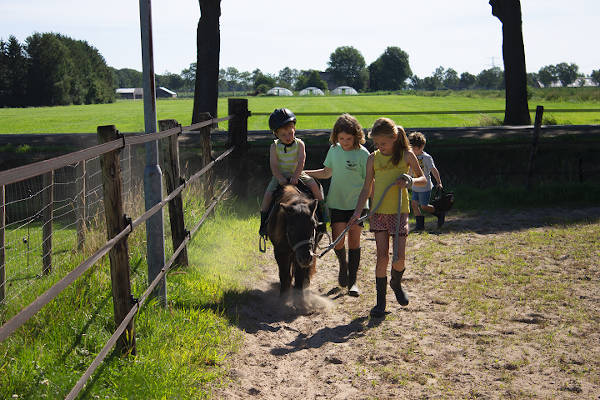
(513, 52)
(208, 44)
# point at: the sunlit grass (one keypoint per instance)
(180, 348)
(128, 116)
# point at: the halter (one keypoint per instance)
(310, 241)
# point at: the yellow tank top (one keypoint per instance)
(385, 174)
(287, 157)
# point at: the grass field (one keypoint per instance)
(127, 115)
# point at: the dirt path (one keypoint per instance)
(439, 346)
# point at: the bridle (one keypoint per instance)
(310, 241)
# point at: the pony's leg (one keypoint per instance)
(284, 263)
(301, 277)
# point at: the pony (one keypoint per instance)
(292, 229)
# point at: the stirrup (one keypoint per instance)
(262, 243)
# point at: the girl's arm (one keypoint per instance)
(436, 175)
(419, 179)
(323, 173)
(274, 166)
(300, 165)
(365, 192)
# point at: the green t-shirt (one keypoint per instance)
(347, 177)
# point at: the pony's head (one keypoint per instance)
(300, 229)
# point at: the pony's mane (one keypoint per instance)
(290, 195)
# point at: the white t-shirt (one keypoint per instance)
(427, 164)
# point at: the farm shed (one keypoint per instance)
(279, 91)
(130, 93)
(162, 91)
(311, 91)
(344, 90)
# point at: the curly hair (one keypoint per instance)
(348, 124)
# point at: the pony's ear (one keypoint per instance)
(286, 207)
(313, 207)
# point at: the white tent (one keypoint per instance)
(311, 91)
(344, 90)
(279, 91)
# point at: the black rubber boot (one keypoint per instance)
(379, 310)
(262, 231)
(396, 285)
(420, 223)
(353, 263)
(343, 273)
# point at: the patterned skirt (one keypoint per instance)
(387, 222)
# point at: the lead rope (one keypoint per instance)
(408, 179)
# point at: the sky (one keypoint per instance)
(302, 34)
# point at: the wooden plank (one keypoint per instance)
(47, 217)
(2, 244)
(539, 112)
(172, 174)
(29, 171)
(80, 184)
(112, 185)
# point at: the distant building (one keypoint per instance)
(279, 91)
(138, 93)
(163, 92)
(341, 90)
(311, 91)
(130, 93)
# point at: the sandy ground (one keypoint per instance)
(327, 347)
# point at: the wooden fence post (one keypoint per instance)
(238, 137)
(207, 180)
(47, 215)
(80, 184)
(539, 112)
(2, 254)
(112, 185)
(170, 161)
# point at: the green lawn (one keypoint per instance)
(127, 115)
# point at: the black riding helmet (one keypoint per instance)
(280, 117)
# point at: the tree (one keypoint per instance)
(263, 81)
(467, 80)
(287, 77)
(491, 78)
(513, 52)
(348, 67)
(595, 76)
(390, 70)
(451, 80)
(208, 44)
(310, 78)
(13, 84)
(533, 80)
(49, 78)
(189, 77)
(567, 73)
(548, 75)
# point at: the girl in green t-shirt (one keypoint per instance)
(345, 164)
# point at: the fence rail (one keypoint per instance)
(117, 241)
(549, 110)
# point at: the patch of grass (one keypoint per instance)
(181, 349)
(127, 115)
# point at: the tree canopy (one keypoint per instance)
(348, 67)
(390, 70)
(52, 69)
